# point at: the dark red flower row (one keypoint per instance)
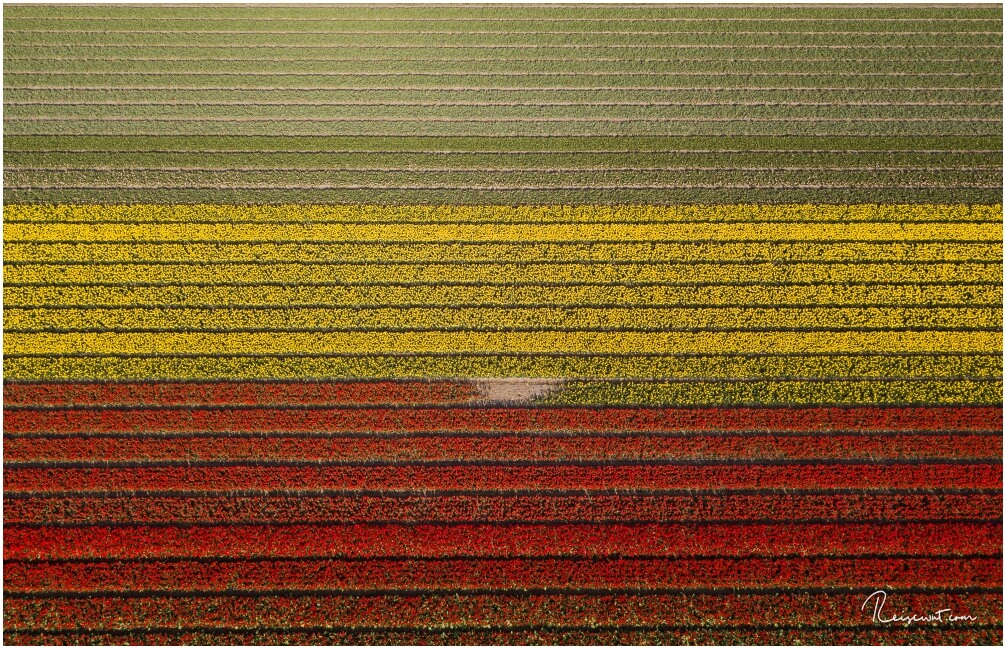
(487, 610)
(78, 420)
(488, 540)
(578, 635)
(504, 447)
(584, 508)
(507, 574)
(240, 392)
(417, 479)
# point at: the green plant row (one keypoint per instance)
(90, 112)
(460, 34)
(474, 144)
(501, 63)
(811, 163)
(469, 196)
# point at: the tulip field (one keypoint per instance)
(503, 324)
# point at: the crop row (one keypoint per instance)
(473, 419)
(413, 479)
(505, 179)
(477, 94)
(458, 35)
(434, 233)
(597, 508)
(482, 610)
(496, 62)
(893, 391)
(908, 111)
(308, 366)
(277, 393)
(485, 126)
(823, 163)
(475, 144)
(477, 195)
(487, 540)
(454, 250)
(724, 391)
(509, 274)
(521, 21)
(826, 296)
(501, 447)
(603, 214)
(499, 319)
(768, 635)
(460, 575)
(547, 341)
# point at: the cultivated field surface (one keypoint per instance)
(489, 324)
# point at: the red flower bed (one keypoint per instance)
(418, 479)
(503, 447)
(488, 540)
(587, 508)
(602, 539)
(240, 393)
(278, 420)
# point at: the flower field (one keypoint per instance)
(502, 324)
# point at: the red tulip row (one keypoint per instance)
(504, 447)
(418, 479)
(240, 393)
(497, 574)
(887, 635)
(524, 508)
(488, 540)
(308, 419)
(722, 609)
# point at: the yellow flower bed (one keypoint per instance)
(545, 280)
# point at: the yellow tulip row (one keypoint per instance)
(560, 342)
(503, 273)
(515, 251)
(498, 319)
(788, 392)
(336, 232)
(763, 294)
(115, 366)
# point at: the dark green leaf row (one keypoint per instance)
(503, 112)
(476, 144)
(468, 196)
(446, 63)
(904, 54)
(797, 94)
(865, 178)
(641, 161)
